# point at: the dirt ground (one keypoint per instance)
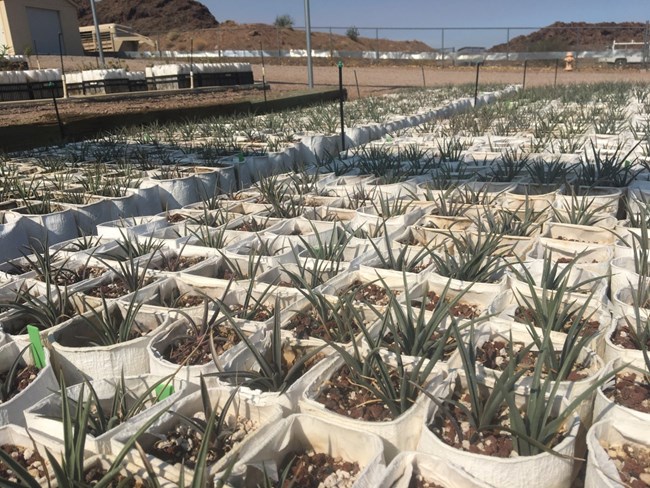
(282, 79)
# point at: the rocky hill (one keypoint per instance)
(150, 16)
(572, 36)
(231, 35)
(175, 23)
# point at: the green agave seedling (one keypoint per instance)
(125, 405)
(338, 314)
(213, 430)
(331, 249)
(110, 325)
(397, 386)
(615, 169)
(271, 375)
(378, 161)
(474, 258)
(281, 197)
(639, 236)
(546, 312)
(542, 172)
(417, 331)
(44, 311)
(579, 211)
(522, 222)
(401, 259)
(387, 206)
(555, 275)
(451, 148)
(480, 195)
(507, 167)
(208, 236)
(68, 471)
(537, 427)
(132, 271)
(484, 405)
(639, 324)
(7, 389)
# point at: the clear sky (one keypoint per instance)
(435, 13)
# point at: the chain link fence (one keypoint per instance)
(442, 44)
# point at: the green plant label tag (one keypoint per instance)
(163, 391)
(240, 156)
(340, 64)
(36, 346)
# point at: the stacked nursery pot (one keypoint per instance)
(243, 422)
(35, 382)
(358, 456)
(618, 453)
(45, 416)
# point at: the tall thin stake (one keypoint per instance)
(192, 63)
(424, 80)
(341, 99)
(263, 71)
(356, 80)
(557, 64)
(523, 85)
(56, 110)
(478, 68)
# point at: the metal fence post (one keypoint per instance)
(377, 43)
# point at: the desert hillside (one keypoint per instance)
(562, 36)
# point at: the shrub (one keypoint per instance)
(284, 21)
(353, 33)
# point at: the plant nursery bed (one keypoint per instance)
(192, 351)
(456, 432)
(96, 473)
(495, 355)
(307, 324)
(180, 263)
(341, 394)
(28, 458)
(23, 377)
(388, 341)
(314, 470)
(367, 293)
(418, 481)
(631, 390)
(67, 277)
(632, 462)
(462, 310)
(589, 327)
(182, 443)
(622, 336)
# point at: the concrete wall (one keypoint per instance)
(13, 15)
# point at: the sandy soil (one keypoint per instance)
(371, 80)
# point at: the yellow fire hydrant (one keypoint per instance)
(569, 61)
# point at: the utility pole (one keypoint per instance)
(310, 67)
(100, 49)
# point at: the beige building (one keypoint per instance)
(36, 24)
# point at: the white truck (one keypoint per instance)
(624, 53)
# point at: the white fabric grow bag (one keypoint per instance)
(601, 470)
(392, 433)
(101, 362)
(299, 432)
(515, 472)
(263, 417)
(433, 469)
(44, 417)
(607, 408)
(12, 411)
